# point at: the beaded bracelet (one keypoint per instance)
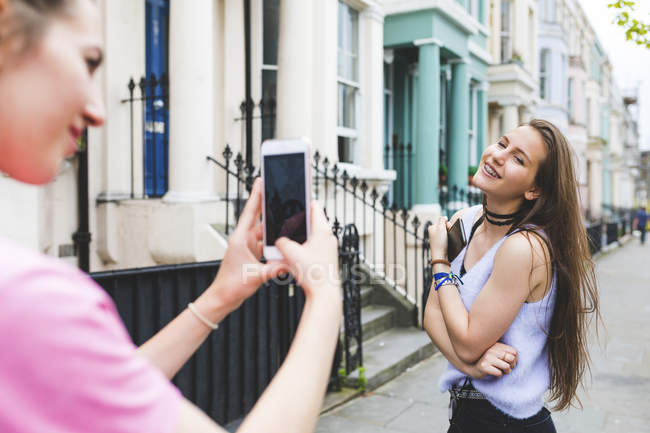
(443, 277)
(201, 317)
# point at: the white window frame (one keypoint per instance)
(342, 131)
(506, 54)
(549, 10)
(445, 77)
(565, 82)
(389, 110)
(544, 73)
(263, 66)
(570, 99)
(474, 9)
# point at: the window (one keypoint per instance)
(565, 84)
(532, 38)
(348, 81)
(570, 98)
(388, 106)
(445, 96)
(270, 20)
(506, 37)
(474, 9)
(548, 10)
(543, 73)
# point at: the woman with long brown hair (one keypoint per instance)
(528, 283)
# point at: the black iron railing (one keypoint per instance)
(264, 111)
(392, 242)
(232, 368)
(239, 177)
(148, 102)
(614, 223)
(394, 245)
(595, 237)
(399, 157)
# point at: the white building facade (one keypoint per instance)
(553, 37)
(514, 83)
(317, 64)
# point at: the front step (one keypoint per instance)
(376, 319)
(366, 296)
(390, 353)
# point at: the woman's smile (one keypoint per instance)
(490, 171)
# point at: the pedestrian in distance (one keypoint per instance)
(524, 284)
(67, 363)
(640, 221)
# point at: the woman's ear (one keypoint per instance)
(532, 194)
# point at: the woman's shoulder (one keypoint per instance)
(526, 247)
(465, 211)
(30, 276)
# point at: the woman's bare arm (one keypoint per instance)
(434, 325)
(519, 267)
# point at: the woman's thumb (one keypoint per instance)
(289, 249)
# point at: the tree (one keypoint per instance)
(635, 30)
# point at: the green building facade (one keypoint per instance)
(436, 98)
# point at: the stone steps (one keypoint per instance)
(390, 343)
(390, 353)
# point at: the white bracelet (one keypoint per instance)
(202, 318)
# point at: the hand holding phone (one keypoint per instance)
(314, 264)
(287, 193)
(456, 239)
(446, 242)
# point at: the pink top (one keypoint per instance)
(67, 363)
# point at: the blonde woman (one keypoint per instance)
(67, 363)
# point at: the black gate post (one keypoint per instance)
(249, 101)
(349, 255)
(81, 237)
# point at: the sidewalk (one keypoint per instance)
(615, 401)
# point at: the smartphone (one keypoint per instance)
(287, 192)
(456, 239)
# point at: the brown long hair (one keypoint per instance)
(557, 212)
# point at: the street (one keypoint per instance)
(615, 400)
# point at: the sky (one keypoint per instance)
(631, 63)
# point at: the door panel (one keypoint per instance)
(156, 134)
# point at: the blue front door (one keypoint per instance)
(156, 134)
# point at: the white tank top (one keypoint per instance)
(519, 394)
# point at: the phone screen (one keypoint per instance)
(284, 194)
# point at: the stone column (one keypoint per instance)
(510, 117)
(606, 181)
(482, 10)
(427, 146)
(371, 27)
(191, 92)
(295, 70)
(459, 125)
(595, 184)
(325, 69)
(482, 123)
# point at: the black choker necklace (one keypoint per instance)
(504, 219)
